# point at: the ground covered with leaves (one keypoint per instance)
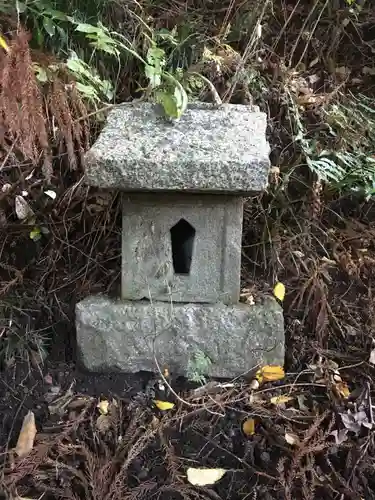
(306, 432)
(302, 436)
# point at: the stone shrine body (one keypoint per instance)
(182, 184)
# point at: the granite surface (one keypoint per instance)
(209, 149)
(127, 336)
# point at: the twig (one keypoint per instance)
(301, 384)
(248, 466)
(8, 154)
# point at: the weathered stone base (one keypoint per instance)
(127, 336)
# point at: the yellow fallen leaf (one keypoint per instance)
(291, 438)
(3, 44)
(163, 405)
(203, 477)
(103, 407)
(279, 291)
(27, 435)
(279, 400)
(248, 427)
(270, 373)
(342, 389)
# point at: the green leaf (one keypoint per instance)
(169, 104)
(63, 34)
(39, 36)
(174, 104)
(87, 28)
(35, 234)
(56, 14)
(153, 75)
(103, 45)
(74, 65)
(107, 89)
(155, 56)
(87, 90)
(79, 67)
(102, 37)
(154, 68)
(165, 34)
(49, 26)
(326, 169)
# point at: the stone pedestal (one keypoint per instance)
(119, 335)
(182, 186)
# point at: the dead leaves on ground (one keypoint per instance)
(28, 432)
(248, 427)
(292, 438)
(58, 404)
(279, 291)
(108, 415)
(325, 378)
(327, 372)
(372, 357)
(26, 436)
(354, 420)
(103, 407)
(372, 354)
(281, 400)
(163, 405)
(204, 476)
(211, 389)
(287, 410)
(341, 389)
(270, 373)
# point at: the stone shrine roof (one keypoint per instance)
(209, 150)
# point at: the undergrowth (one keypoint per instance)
(313, 83)
(25, 106)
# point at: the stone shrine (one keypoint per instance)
(183, 184)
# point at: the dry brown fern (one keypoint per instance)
(35, 118)
(297, 474)
(21, 102)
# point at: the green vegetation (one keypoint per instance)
(198, 367)
(100, 45)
